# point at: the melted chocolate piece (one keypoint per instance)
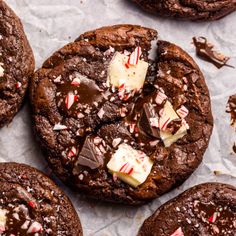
(234, 147)
(88, 95)
(205, 51)
(218, 219)
(145, 123)
(90, 154)
(231, 108)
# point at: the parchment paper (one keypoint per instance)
(50, 24)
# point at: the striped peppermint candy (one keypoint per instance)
(70, 99)
(165, 124)
(135, 55)
(127, 168)
(160, 98)
(182, 111)
(18, 84)
(76, 82)
(35, 227)
(178, 232)
(73, 152)
(213, 218)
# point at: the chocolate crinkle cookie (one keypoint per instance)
(31, 204)
(116, 125)
(205, 210)
(16, 64)
(189, 9)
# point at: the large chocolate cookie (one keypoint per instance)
(31, 204)
(16, 64)
(207, 209)
(189, 9)
(116, 125)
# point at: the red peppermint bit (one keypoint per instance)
(132, 127)
(31, 204)
(134, 57)
(2, 229)
(35, 227)
(70, 99)
(73, 152)
(160, 98)
(182, 111)
(164, 126)
(178, 232)
(212, 219)
(127, 168)
(18, 84)
(76, 82)
(127, 65)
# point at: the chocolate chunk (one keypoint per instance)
(205, 51)
(145, 123)
(231, 108)
(90, 155)
(234, 147)
(174, 126)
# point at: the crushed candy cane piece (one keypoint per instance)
(76, 82)
(1, 70)
(127, 168)
(59, 127)
(31, 204)
(160, 98)
(18, 84)
(135, 55)
(182, 111)
(213, 218)
(178, 232)
(35, 227)
(73, 152)
(70, 99)
(58, 79)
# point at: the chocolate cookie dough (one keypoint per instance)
(189, 9)
(207, 209)
(31, 204)
(16, 64)
(116, 125)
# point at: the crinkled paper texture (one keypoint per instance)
(50, 24)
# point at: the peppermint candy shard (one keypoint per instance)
(182, 111)
(76, 82)
(135, 55)
(58, 127)
(70, 99)
(127, 168)
(31, 204)
(213, 218)
(178, 232)
(18, 84)
(35, 227)
(160, 98)
(72, 152)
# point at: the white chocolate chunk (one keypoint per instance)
(167, 116)
(132, 76)
(1, 70)
(130, 165)
(3, 219)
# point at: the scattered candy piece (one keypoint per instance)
(35, 227)
(73, 152)
(76, 82)
(130, 165)
(213, 218)
(3, 220)
(1, 70)
(18, 85)
(70, 99)
(178, 232)
(160, 98)
(59, 127)
(182, 111)
(135, 55)
(31, 204)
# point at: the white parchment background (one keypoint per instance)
(50, 24)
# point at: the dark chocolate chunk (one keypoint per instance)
(234, 147)
(90, 154)
(145, 123)
(231, 108)
(206, 52)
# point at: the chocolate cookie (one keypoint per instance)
(189, 9)
(115, 124)
(206, 209)
(16, 64)
(31, 204)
